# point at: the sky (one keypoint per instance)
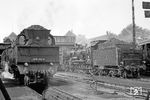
(87, 17)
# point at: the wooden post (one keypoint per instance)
(91, 57)
(4, 91)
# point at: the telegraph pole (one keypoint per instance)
(133, 23)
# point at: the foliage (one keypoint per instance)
(141, 34)
(110, 35)
(10, 38)
(81, 39)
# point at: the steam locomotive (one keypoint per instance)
(33, 57)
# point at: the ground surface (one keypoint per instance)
(83, 90)
(73, 84)
(17, 92)
(143, 82)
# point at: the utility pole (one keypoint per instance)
(91, 56)
(133, 23)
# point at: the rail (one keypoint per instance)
(93, 80)
(57, 94)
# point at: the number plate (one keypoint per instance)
(38, 59)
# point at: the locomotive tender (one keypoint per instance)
(33, 57)
(117, 58)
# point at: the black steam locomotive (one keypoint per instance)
(33, 57)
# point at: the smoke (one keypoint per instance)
(6, 74)
(57, 15)
(38, 12)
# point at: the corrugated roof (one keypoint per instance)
(111, 42)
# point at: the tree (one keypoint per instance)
(81, 39)
(111, 35)
(141, 34)
(7, 40)
(12, 37)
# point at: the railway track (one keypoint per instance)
(23, 93)
(57, 94)
(35, 92)
(107, 82)
(75, 90)
(20, 92)
(52, 93)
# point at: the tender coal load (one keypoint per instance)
(36, 27)
(35, 35)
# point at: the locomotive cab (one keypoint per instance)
(145, 46)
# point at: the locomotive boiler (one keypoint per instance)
(33, 57)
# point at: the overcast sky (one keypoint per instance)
(89, 17)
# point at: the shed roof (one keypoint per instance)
(144, 42)
(115, 43)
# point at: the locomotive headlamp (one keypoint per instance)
(26, 64)
(144, 62)
(51, 64)
(52, 70)
(121, 62)
(26, 72)
(37, 38)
